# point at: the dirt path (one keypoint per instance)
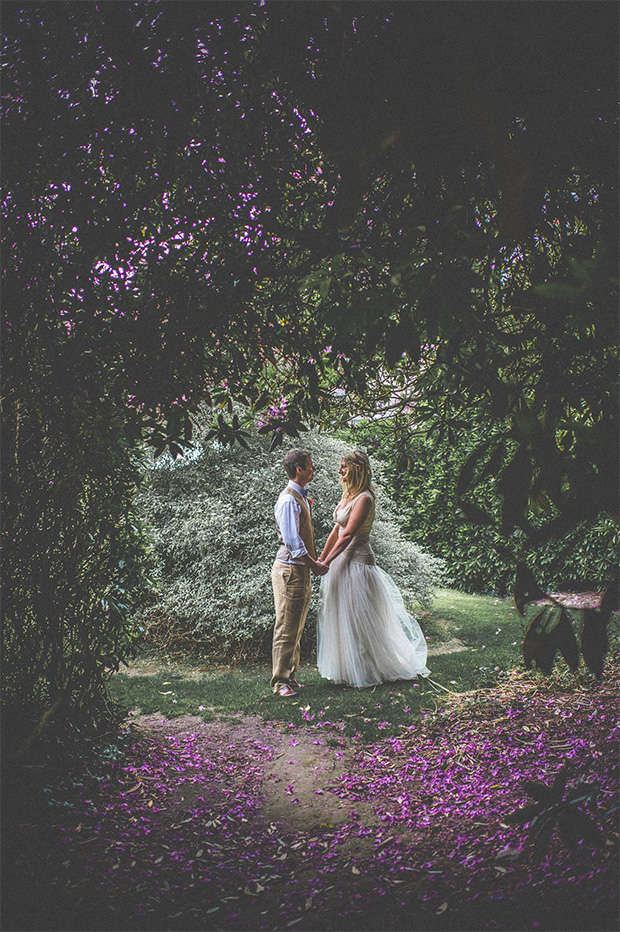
(339, 836)
(240, 824)
(299, 769)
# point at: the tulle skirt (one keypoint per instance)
(365, 635)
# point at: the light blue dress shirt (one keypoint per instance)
(287, 510)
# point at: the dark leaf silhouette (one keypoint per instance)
(538, 647)
(394, 347)
(554, 808)
(276, 440)
(549, 631)
(541, 792)
(575, 826)
(542, 836)
(594, 640)
(559, 784)
(611, 598)
(527, 588)
(566, 641)
(475, 513)
(469, 466)
(523, 815)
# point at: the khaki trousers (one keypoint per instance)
(292, 589)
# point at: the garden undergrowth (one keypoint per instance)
(489, 628)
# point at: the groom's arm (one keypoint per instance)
(287, 517)
(317, 566)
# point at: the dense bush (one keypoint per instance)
(423, 484)
(215, 539)
(75, 561)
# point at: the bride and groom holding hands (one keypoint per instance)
(365, 635)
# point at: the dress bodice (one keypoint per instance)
(359, 550)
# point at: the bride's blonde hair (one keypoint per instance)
(359, 475)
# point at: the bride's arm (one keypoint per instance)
(329, 543)
(357, 517)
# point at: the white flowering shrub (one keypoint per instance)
(215, 539)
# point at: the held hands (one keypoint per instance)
(320, 568)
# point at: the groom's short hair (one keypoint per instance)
(293, 459)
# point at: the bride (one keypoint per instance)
(365, 634)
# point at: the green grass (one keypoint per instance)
(491, 628)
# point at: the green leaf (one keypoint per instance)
(558, 291)
(276, 440)
(539, 645)
(566, 641)
(495, 461)
(313, 380)
(475, 513)
(394, 348)
(594, 640)
(261, 401)
(527, 588)
(559, 783)
(467, 469)
(324, 285)
(409, 338)
(611, 597)
(514, 485)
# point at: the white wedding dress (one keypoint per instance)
(365, 635)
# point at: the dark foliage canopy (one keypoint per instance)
(203, 194)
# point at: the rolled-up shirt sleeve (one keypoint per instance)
(287, 513)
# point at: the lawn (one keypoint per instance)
(489, 628)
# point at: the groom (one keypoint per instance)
(290, 574)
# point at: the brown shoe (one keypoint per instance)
(296, 684)
(284, 690)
